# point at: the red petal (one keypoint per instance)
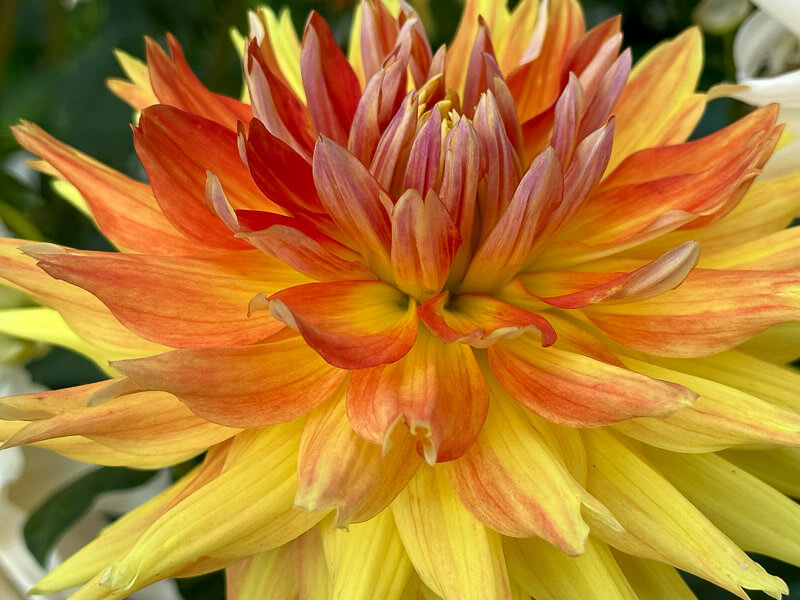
(352, 324)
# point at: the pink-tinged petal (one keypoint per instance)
(201, 302)
(569, 109)
(339, 469)
(453, 553)
(722, 417)
(461, 171)
(124, 209)
(511, 481)
(576, 390)
(84, 313)
(537, 83)
(480, 320)
(174, 84)
(378, 105)
(503, 169)
(437, 389)
(422, 65)
(424, 242)
(709, 312)
(331, 86)
(302, 247)
(424, 159)
(388, 164)
(505, 104)
(280, 172)
(241, 386)
(599, 107)
(275, 103)
(176, 149)
(669, 72)
(378, 36)
(351, 324)
(146, 423)
(503, 252)
(661, 275)
(478, 78)
(355, 201)
(591, 57)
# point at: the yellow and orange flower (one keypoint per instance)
(472, 323)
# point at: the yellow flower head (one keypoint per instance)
(476, 322)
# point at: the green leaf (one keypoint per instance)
(47, 524)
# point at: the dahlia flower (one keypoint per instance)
(467, 322)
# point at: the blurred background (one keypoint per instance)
(56, 54)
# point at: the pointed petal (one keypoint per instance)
(352, 324)
(424, 242)
(510, 480)
(502, 253)
(453, 553)
(367, 559)
(355, 201)
(174, 84)
(252, 505)
(480, 320)
(136, 91)
(661, 524)
(339, 469)
(331, 86)
(437, 389)
(389, 160)
(652, 580)
(548, 574)
(727, 495)
(242, 386)
(424, 159)
(478, 76)
(125, 210)
(779, 467)
(709, 312)
(203, 301)
(573, 389)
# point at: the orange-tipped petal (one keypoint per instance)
(424, 159)
(424, 242)
(453, 553)
(352, 324)
(204, 301)
(511, 481)
(576, 390)
(241, 386)
(125, 210)
(480, 320)
(355, 201)
(339, 469)
(377, 36)
(709, 312)
(329, 80)
(437, 389)
(389, 160)
(174, 84)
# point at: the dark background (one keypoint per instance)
(56, 54)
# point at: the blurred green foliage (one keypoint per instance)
(56, 54)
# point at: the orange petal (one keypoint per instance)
(174, 84)
(389, 160)
(177, 171)
(355, 201)
(147, 423)
(352, 324)
(502, 253)
(424, 242)
(203, 301)
(437, 389)
(663, 274)
(424, 159)
(124, 209)
(377, 36)
(709, 312)
(511, 481)
(331, 85)
(243, 386)
(658, 106)
(480, 320)
(576, 390)
(339, 469)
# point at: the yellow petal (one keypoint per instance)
(548, 574)
(779, 344)
(652, 580)
(367, 560)
(453, 553)
(270, 574)
(661, 524)
(731, 497)
(779, 467)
